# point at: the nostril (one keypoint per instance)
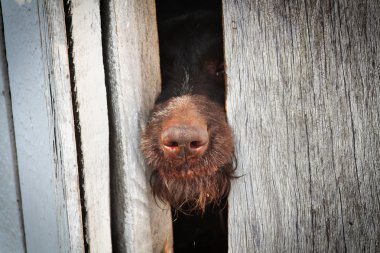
(195, 144)
(171, 144)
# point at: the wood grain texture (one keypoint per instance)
(11, 223)
(91, 105)
(133, 82)
(304, 101)
(36, 51)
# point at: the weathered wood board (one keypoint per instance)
(37, 55)
(303, 98)
(87, 77)
(11, 225)
(133, 81)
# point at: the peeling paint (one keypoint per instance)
(22, 2)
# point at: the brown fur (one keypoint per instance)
(190, 184)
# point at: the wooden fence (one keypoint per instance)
(304, 100)
(79, 77)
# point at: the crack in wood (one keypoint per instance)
(77, 127)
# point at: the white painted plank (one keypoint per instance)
(303, 98)
(11, 227)
(133, 77)
(43, 119)
(91, 104)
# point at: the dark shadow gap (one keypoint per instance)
(68, 24)
(116, 215)
(196, 232)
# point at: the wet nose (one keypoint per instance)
(184, 141)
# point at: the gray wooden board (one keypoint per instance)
(36, 51)
(91, 104)
(304, 101)
(11, 227)
(133, 80)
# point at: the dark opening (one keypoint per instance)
(196, 232)
(69, 25)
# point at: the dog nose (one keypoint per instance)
(185, 141)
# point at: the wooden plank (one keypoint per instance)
(11, 224)
(303, 99)
(39, 79)
(91, 105)
(133, 81)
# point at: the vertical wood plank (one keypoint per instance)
(36, 50)
(304, 100)
(133, 76)
(11, 225)
(91, 105)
